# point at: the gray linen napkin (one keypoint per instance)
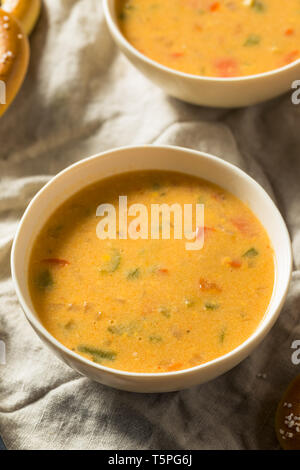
(82, 97)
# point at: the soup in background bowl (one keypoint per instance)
(226, 38)
(149, 315)
(225, 54)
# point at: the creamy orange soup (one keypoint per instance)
(152, 305)
(224, 38)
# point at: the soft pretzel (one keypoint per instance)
(14, 57)
(26, 11)
(17, 19)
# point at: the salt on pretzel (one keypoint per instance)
(14, 58)
(288, 417)
(17, 19)
(26, 12)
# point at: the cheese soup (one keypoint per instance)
(225, 38)
(151, 305)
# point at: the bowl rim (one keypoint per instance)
(257, 335)
(113, 26)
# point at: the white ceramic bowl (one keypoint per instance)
(88, 171)
(206, 91)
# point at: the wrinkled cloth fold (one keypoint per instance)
(81, 97)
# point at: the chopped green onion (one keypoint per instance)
(189, 302)
(222, 335)
(121, 329)
(44, 280)
(211, 306)
(165, 311)
(116, 330)
(98, 355)
(251, 253)
(71, 325)
(133, 274)
(112, 265)
(258, 6)
(155, 339)
(55, 232)
(156, 186)
(252, 40)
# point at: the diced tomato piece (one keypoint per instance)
(214, 6)
(235, 264)
(56, 261)
(178, 54)
(174, 367)
(163, 271)
(291, 56)
(226, 67)
(207, 230)
(198, 27)
(243, 226)
(289, 32)
(218, 197)
(206, 285)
